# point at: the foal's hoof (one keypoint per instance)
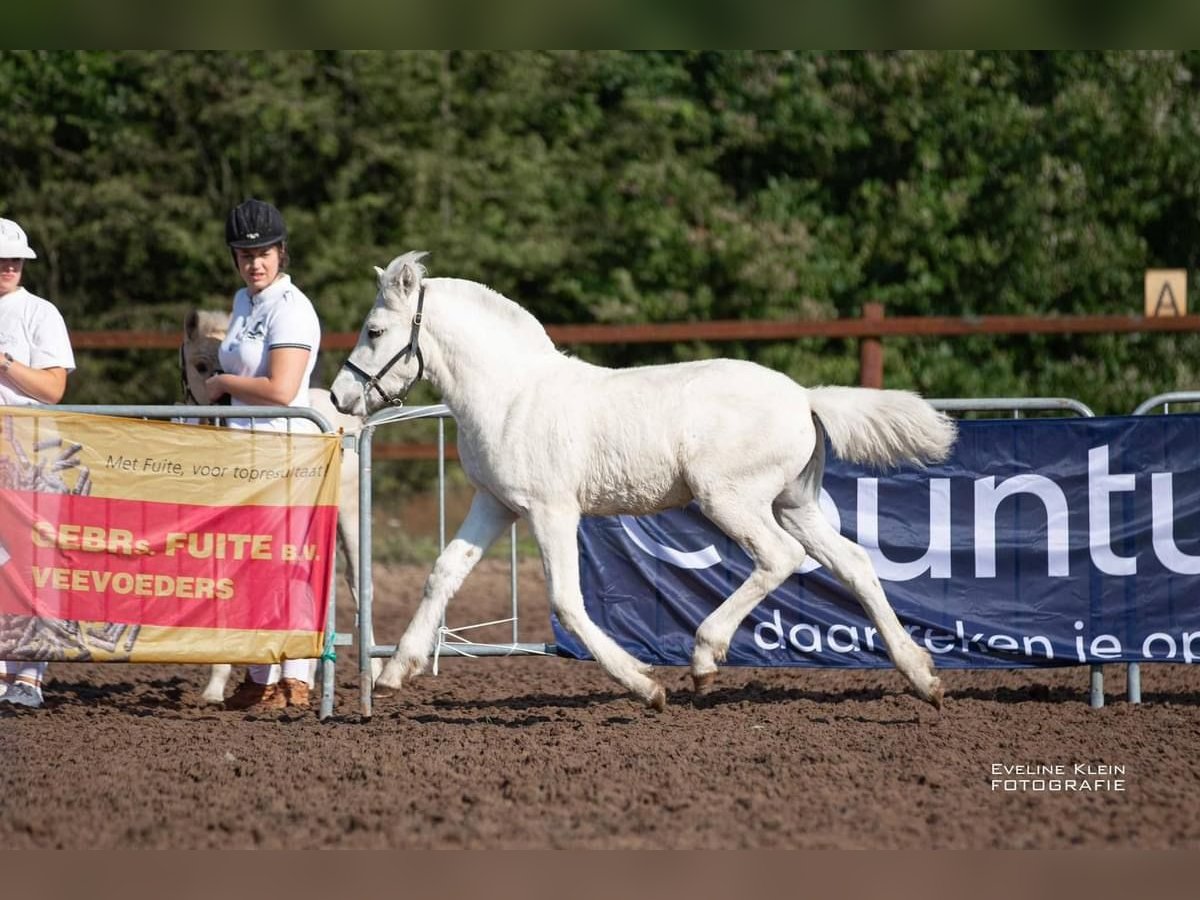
(935, 694)
(704, 684)
(658, 698)
(387, 687)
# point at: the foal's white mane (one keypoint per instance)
(524, 327)
(489, 309)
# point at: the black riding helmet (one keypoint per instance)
(254, 223)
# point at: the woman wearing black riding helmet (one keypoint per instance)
(266, 359)
(35, 358)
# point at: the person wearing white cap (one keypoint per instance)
(35, 357)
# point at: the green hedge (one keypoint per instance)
(630, 187)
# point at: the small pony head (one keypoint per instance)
(387, 360)
(203, 331)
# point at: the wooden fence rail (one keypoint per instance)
(867, 326)
(869, 329)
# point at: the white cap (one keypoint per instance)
(13, 242)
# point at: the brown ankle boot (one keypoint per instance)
(295, 692)
(251, 695)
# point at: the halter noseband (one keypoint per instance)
(413, 346)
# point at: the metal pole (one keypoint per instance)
(1133, 682)
(1097, 691)
(441, 484)
(512, 575)
(328, 666)
(366, 582)
(441, 443)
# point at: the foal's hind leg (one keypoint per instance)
(484, 523)
(555, 531)
(776, 555)
(850, 564)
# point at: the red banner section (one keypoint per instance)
(135, 562)
(120, 540)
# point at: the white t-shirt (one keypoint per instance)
(33, 331)
(276, 317)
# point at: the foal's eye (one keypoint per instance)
(202, 368)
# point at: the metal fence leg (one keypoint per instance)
(1133, 681)
(1097, 692)
(366, 585)
(327, 688)
(328, 664)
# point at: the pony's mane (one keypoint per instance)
(492, 305)
(211, 322)
(518, 320)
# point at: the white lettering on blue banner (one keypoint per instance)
(1039, 542)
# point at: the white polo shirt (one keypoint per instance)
(33, 331)
(278, 316)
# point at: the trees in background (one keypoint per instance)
(630, 187)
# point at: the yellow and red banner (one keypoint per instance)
(135, 541)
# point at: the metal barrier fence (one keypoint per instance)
(1144, 408)
(1016, 406)
(1165, 401)
(452, 642)
(327, 665)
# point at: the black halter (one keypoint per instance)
(413, 346)
(187, 388)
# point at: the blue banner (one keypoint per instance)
(1040, 542)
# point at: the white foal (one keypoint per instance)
(551, 439)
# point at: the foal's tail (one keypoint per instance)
(881, 428)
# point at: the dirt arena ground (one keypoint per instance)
(548, 753)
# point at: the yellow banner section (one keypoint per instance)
(24, 637)
(133, 459)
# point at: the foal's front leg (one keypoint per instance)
(484, 523)
(555, 532)
(214, 691)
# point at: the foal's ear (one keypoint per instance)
(190, 323)
(411, 272)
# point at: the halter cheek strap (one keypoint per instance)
(191, 398)
(371, 382)
(187, 388)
